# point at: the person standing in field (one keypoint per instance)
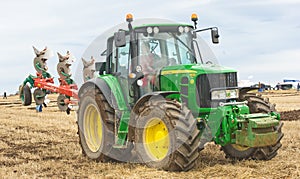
(4, 95)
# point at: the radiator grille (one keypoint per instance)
(206, 82)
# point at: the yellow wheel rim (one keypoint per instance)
(92, 128)
(156, 139)
(240, 147)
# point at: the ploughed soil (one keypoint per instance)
(287, 103)
(290, 115)
(45, 145)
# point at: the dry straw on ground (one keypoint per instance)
(46, 145)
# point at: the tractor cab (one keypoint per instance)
(138, 55)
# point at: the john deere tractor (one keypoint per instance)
(158, 101)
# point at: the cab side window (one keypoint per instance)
(120, 59)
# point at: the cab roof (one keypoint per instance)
(162, 25)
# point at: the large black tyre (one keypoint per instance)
(166, 136)
(90, 99)
(39, 96)
(256, 104)
(25, 95)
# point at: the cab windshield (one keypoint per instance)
(165, 49)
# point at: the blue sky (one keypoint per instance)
(258, 38)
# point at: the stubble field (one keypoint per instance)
(45, 145)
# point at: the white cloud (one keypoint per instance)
(272, 68)
(281, 62)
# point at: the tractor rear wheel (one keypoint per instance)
(39, 96)
(256, 104)
(166, 136)
(96, 126)
(94, 136)
(25, 95)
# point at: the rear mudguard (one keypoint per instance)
(111, 90)
(244, 90)
(148, 96)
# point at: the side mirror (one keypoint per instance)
(120, 38)
(215, 35)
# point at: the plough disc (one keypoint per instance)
(39, 96)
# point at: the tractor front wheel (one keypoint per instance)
(39, 96)
(166, 136)
(238, 152)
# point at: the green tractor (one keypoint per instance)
(157, 101)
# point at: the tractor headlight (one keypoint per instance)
(221, 94)
(224, 94)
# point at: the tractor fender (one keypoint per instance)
(103, 87)
(139, 103)
(146, 97)
(244, 90)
